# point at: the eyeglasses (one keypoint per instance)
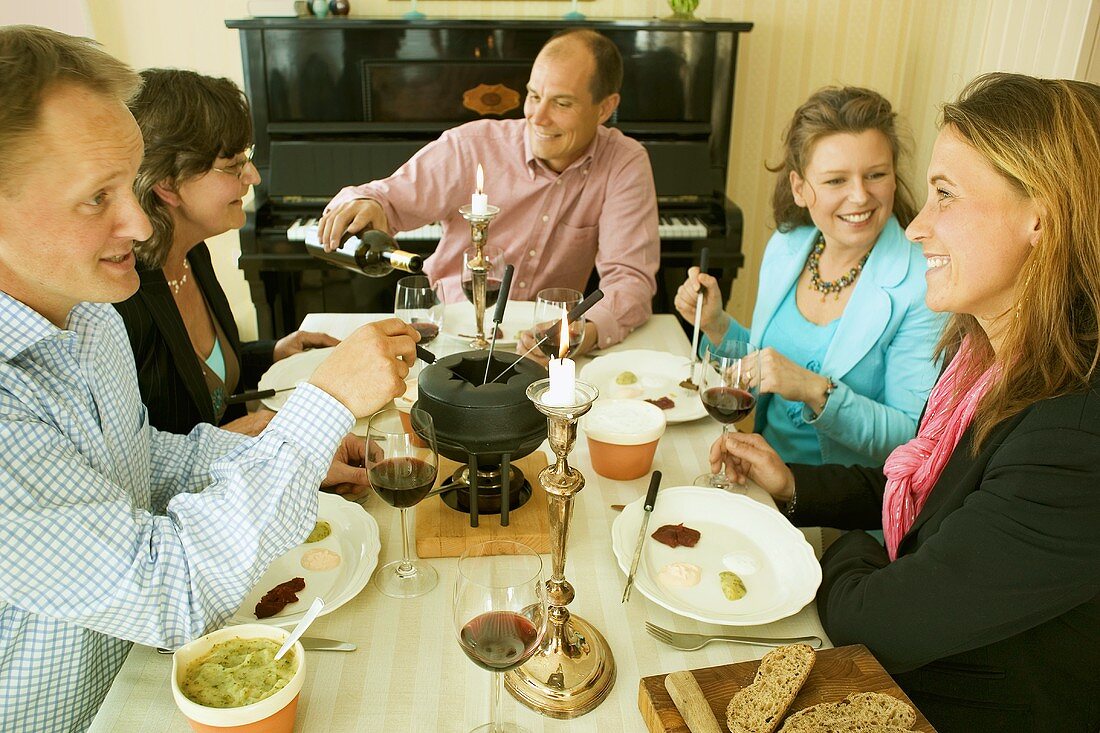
(238, 168)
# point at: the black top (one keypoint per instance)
(990, 617)
(169, 374)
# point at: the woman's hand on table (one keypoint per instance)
(779, 375)
(713, 320)
(251, 424)
(348, 474)
(369, 367)
(299, 341)
(748, 456)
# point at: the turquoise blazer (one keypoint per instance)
(881, 353)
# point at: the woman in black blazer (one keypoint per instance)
(985, 602)
(196, 171)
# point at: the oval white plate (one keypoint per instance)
(458, 318)
(659, 375)
(354, 537)
(778, 566)
(288, 373)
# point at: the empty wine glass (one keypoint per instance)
(401, 464)
(549, 304)
(499, 614)
(729, 394)
(488, 268)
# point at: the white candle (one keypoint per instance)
(563, 372)
(479, 202)
(563, 381)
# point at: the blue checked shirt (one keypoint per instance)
(112, 532)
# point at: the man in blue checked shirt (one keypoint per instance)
(112, 532)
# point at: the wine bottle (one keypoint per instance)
(371, 253)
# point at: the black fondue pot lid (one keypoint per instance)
(457, 380)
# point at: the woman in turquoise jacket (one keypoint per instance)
(846, 339)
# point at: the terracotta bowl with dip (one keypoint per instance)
(622, 437)
(273, 714)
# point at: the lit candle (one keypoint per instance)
(563, 372)
(479, 202)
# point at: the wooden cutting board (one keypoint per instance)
(445, 532)
(836, 674)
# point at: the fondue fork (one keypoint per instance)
(647, 512)
(689, 383)
(262, 394)
(498, 315)
(578, 310)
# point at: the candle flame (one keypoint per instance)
(480, 178)
(563, 344)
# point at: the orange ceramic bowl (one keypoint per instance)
(274, 714)
(622, 437)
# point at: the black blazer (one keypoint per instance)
(990, 617)
(169, 375)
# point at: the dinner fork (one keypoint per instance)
(690, 642)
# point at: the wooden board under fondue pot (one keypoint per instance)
(445, 532)
(837, 673)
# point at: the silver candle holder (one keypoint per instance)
(479, 266)
(573, 670)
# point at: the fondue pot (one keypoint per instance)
(483, 426)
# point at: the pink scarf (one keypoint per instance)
(914, 467)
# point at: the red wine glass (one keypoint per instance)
(549, 305)
(499, 614)
(401, 464)
(418, 303)
(729, 394)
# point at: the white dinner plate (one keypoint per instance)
(659, 375)
(773, 558)
(289, 372)
(458, 321)
(354, 538)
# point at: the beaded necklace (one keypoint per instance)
(177, 284)
(813, 262)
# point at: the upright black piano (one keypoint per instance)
(339, 101)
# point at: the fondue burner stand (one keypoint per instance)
(479, 268)
(573, 670)
(479, 489)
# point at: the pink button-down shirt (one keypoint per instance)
(553, 227)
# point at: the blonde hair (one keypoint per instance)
(829, 111)
(1043, 136)
(33, 59)
(188, 121)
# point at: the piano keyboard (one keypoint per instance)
(668, 227)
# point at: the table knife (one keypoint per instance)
(311, 644)
(647, 510)
(691, 703)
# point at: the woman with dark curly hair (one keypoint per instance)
(196, 171)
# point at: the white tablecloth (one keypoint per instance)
(409, 673)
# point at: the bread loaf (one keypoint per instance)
(760, 707)
(861, 712)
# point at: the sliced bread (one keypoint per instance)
(759, 707)
(870, 711)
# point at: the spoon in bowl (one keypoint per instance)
(300, 629)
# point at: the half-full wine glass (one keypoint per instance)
(417, 302)
(549, 305)
(401, 464)
(499, 614)
(484, 270)
(729, 388)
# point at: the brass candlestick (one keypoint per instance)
(479, 266)
(573, 670)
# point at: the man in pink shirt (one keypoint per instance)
(573, 194)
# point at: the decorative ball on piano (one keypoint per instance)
(339, 7)
(683, 9)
